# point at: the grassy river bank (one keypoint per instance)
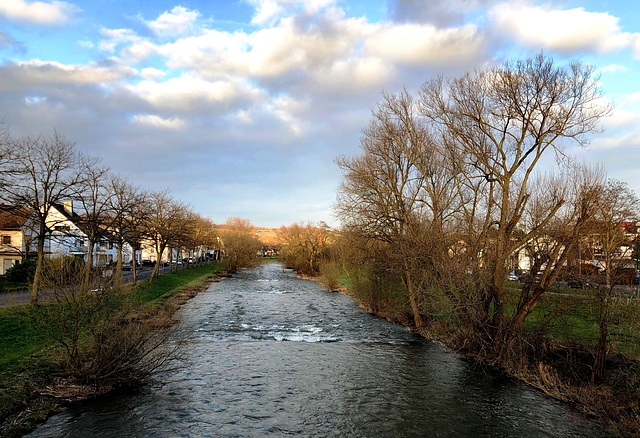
(38, 377)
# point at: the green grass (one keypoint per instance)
(269, 259)
(19, 337)
(571, 315)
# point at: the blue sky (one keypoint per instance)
(240, 107)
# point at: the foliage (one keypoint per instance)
(22, 272)
(330, 275)
(239, 243)
(305, 246)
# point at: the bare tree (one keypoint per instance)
(135, 225)
(304, 246)
(165, 224)
(97, 218)
(552, 247)
(617, 206)
(399, 188)
(450, 186)
(125, 201)
(240, 244)
(43, 170)
(498, 125)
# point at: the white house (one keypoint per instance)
(67, 238)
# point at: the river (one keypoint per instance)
(272, 355)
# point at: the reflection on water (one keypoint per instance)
(269, 354)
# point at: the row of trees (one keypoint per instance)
(39, 172)
(448, 188)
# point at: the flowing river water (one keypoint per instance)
(272, 355)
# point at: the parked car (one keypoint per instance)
(128, 266)
(513, 277)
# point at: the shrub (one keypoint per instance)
(329, 275)
(22, 272)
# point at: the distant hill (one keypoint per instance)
(268, 236)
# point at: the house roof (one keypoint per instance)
(78, 220)
(13, 218)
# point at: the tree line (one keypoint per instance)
(458, 179)
(42, 171)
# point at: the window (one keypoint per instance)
(6, 240)
(110, 245)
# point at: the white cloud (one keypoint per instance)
(189, 93)
(37, 13)
(632, 97)
(176, 22)
(619, 142)
(113, 37)
(152, 73)
(353, 75)
(40, 73)
(266, 53)
(566, 31)
(426, 44)
(614, 68)
(326, 51)
(139, 51)
(85, 44)
(441, 12)
(154, 121)
(286, 109)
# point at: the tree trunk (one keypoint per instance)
(134, 263)
(38, 274)
(156, 269)
(601, 352)
(87, 268)
(118, 273)
(417, 318)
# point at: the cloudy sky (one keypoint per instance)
(239, 107)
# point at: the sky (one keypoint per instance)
(240, 107)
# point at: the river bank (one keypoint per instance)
(33, 383)
(559, 369)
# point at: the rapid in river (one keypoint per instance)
(269, 354)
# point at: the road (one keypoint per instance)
(8, 299)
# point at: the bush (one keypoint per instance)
(22, 272)
(329, 275)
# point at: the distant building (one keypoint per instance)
(13, 240)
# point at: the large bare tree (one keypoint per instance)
(499, 124)
(97, 217)
(126, 201)
(165, 224)
(42, 171)
(450, 186)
